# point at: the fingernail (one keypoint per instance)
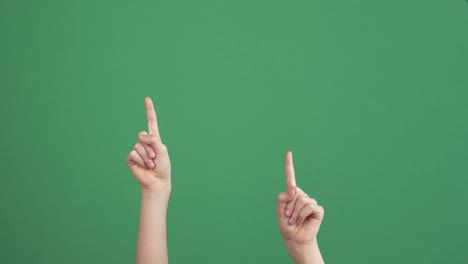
(151, 164)
(291, 221)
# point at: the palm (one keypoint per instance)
(149, 177)
(302, 233)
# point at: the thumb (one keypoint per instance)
(286, 197)
(154, 142)
(283, 199)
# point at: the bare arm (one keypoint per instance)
(151, 244)
(305, 254)
(150, 164)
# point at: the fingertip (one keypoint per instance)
(148, 102)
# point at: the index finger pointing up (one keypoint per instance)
(152, 120)
(289, 172)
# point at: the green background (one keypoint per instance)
(371, 96)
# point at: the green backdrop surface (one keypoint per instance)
(371, 96)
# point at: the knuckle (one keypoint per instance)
(148, 148)
(163, 147)
(280, 197)
(320, 208)
(301, 192)
(300, 201)
(296, 212)
(302, 215)
(132, 155)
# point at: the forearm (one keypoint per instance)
(152, 243)
(305, 254)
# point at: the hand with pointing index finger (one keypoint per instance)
(149, 160)
(299, 219)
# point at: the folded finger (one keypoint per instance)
(296, 192)
(283, 199)
(154, 142)
(310, 210)
(301, 200)
(136, 159)
(142, 152)
(149, 150)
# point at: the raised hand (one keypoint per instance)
(149, 160)
(299, 219)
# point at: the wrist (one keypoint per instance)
(158, 198)
(159, 195)
(162, 188)
(307, 253)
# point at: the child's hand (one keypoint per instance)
(149, 159)
(299, 218)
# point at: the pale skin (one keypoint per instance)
(150, 164)
(299, 216)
